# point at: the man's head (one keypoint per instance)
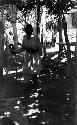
(28, 29)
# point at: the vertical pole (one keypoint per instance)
(60, 29)
(1, 51)
(25, 17)
(1, 45)
(13, 21)
(43, 31)
(75, 60)
(68, 45)
(38, 15)
(75, 82)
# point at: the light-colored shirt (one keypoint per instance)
(32, 60)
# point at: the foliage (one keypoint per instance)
(19, 3)
(59, 6)
(30, 4)
(55, 6)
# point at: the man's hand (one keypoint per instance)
(13, 52)
(11, 48)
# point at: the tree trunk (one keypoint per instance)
(38, 16)
(2, 56)
(75, 82)
(15, 35)
(43, 30)
(68, 46)
(13, 21)
(60, 34)
(66, 39)
(1, 45)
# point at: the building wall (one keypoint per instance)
(71, 19)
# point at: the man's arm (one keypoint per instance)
(22, 48)
(19, 50)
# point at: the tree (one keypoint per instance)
(58, 8)
(64, 25)
(13, 21)
(1, 50)
(14, 5)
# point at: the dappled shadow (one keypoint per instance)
(46, 99)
